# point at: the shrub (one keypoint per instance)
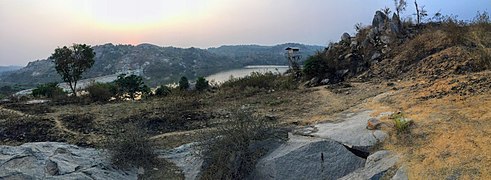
(315, 66)
(456, 30)
(202, 84)
(129, 86)
(49, 90)
(183, 83)
(482, 18)
(233, 155)
(163, 91)
(132, 148)
(401, 124)
(83, 123)
(256, 82)
(102, 91)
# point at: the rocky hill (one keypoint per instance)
(390, 48)
(160, 64)
(156, 64)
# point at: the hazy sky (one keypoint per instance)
(32, 29)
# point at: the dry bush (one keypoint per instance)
(456, 31)
(83, 123)
(101, 92)
(236, 147)
(259, 82)
(132, 148)
(480, 33)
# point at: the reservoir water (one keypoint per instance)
(242, 72)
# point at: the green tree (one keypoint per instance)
(315, 66)
(130, 85)
(202, 84)
(102, 91)
(48, 90)
(72, 62)
(183, 83)
(162, 91)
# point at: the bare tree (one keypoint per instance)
(417, 12)
(400, 6)
(420, 12)
(386, 10)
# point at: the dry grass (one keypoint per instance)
(452, 133)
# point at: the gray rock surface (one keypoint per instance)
(377, 164)
(396, 25)
(385, 39)
(376, 56)
(325, 81)
(52, 160)
(313, 82)
(346, 38)
(379, 20)
(401, 174)
(352, 131)
(185, 157)
(307, 158)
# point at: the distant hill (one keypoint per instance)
(7, 69)
(266, 55)
(159, 65)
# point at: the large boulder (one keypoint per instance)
(346, 38)
(52, 160)
(379, 20)
(307, 158)
(352, 131)
(401, 174)
(376, 166)
(395, 24)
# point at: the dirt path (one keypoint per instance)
(11, 111)
(57, 121)
(59, 125)
(181, 133)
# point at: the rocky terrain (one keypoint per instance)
(395, 101)
(47, 160)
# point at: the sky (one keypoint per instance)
(32, 29)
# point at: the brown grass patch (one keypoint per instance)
(452, 135)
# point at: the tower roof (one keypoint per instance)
(293, 48)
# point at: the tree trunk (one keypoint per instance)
(73, 86)
(418, 18)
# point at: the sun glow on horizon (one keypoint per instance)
(131, 16)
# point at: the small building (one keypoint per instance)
(293, 56)
(293, 53)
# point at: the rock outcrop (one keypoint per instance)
(52, 160)
(375, 167)
(308, 158)
(352, 132)
(187, 158)
(372, 44)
